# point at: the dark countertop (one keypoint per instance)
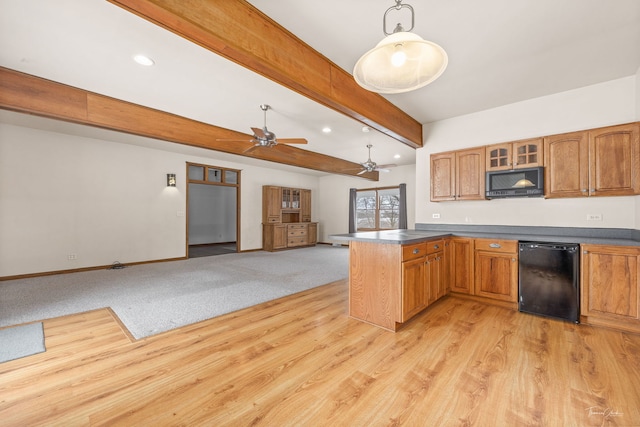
(402, 237)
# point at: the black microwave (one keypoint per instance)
(515, 183)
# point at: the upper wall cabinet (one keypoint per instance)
(458, 175)
(514, 155)
(598, 162)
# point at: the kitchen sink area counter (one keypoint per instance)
(400, 237)
(424, 232)
(396, 274)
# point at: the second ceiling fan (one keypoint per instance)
(265, 138)
(371, 166)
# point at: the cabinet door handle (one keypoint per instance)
(495, 245)
(436, 246)
(416, 251)
(585, 252)
(584, 190)
(513, 259)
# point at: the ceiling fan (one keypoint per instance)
(265, 138)
(370, 166)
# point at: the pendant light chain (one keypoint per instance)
(398, 27)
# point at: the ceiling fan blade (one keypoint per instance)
(382, 170)
(259, 133)
(361, 172)
(235, 140)
(390, 165)
(250, 149)
(292, 141)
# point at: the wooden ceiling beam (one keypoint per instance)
(34, 95)
(241, 33)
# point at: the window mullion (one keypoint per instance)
(378, 210)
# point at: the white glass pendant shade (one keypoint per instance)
(401, 62)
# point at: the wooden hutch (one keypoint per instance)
(286, 218)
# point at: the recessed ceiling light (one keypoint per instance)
(143, 60)
(397, 156)
(326, 129)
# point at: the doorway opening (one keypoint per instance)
(213, 210)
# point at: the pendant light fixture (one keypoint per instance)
(402, 61)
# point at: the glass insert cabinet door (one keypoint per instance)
(527, 154)
(499, 157)
(290, 198)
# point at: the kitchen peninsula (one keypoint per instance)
(396, 274)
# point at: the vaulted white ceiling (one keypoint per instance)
(500, 52)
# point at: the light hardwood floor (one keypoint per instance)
(300, 361)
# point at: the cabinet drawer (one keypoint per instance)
(435, 246)
(496, 245)
(415, 251)
(297, 241)
(291, 227)
(295, 233)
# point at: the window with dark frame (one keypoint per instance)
(378, 209)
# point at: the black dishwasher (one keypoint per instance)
(548, 282)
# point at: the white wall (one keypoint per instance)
(334, 198)
(637, 82)
(637, 92)
(212, 214)
(106, 201)
(604, 104)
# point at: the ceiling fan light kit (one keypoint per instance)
(401, 62)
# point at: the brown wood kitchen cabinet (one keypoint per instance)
(391, 283)
(305, 205)
(274, 236)
(271, 204)
(597, 162)
(435, 273)
(496, 269)
(610, 286)
(515, 155)
(458, 175)
(461, 265)
(286, 218)
(415, 290)
(422, 276)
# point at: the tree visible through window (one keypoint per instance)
(378, 209)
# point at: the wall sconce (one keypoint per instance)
(171, 180)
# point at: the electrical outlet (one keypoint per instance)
(72, 257)
(435, 216)
(594, 217)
